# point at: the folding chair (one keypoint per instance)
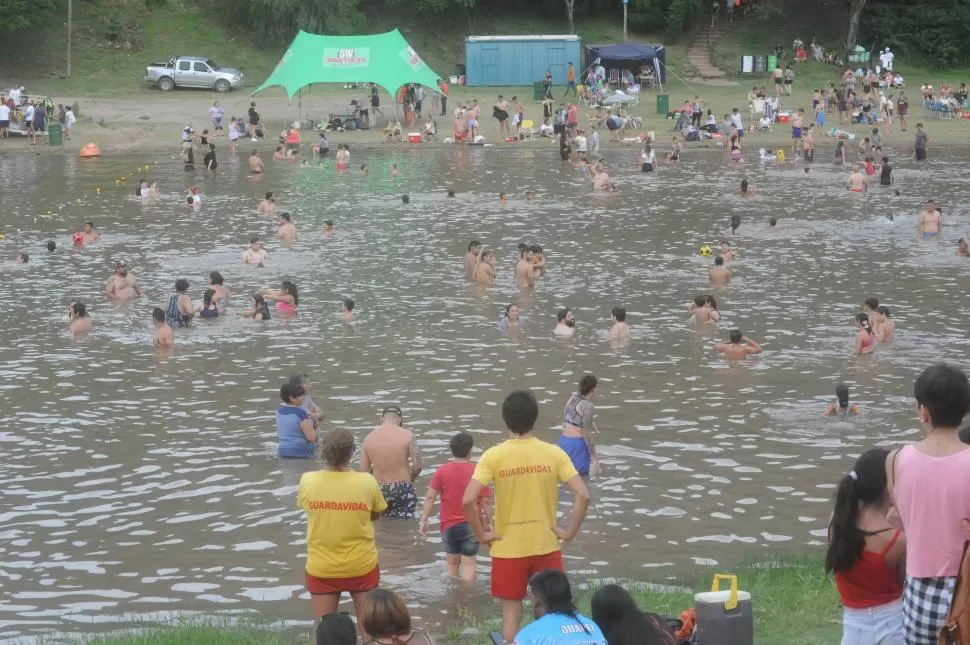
(527, 128)
(615, 77)
(757, 109)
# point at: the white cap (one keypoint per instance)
(887, 50)
(21, 88)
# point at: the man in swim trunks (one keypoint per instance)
(390, 453)
(285, 230)
(720, 274)
(525, 275)
(472, 114)
(930, 221)
(921, 144)
(620, 330)
(471, 257)
(268, 205)
(122, 285)
(857, 181)
(255, 163)
(89, 235)
(255, 254)
(797, 123)
(739, 348)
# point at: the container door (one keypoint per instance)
(491, 65)
(556, 55)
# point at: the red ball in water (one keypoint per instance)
(77, 238)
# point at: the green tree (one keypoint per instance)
(21, 14)
(279, 20)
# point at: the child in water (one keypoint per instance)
(841, 405)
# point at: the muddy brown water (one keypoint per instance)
(136, 486)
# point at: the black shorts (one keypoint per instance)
(4, 125)
(646, 167)
(778, 81)
(460, 540)
(920, 155)
(788, 81)
(559, 128)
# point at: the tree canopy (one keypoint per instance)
(23, 14)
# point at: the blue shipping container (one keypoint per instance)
(519, 60)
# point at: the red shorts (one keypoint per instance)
(510, 576)
(365, 582)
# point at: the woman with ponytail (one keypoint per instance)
(864, 339)
(867, 555)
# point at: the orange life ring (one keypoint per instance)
(90, 150)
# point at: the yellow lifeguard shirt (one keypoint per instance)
(340, 533)
(526, 475)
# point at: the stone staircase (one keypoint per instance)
(699, 57)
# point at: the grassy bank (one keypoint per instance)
(790, 596)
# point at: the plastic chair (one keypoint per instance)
(527, 128)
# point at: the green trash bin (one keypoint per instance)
(772, 63)
(55, 135)
(538, 91)
(663, 104)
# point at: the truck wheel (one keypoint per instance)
(165, 84)
(222, 85)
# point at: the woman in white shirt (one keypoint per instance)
(647, 159)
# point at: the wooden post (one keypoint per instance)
(70, 18)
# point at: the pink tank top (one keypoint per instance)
(933, 496)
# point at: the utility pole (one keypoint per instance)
(70, 18)
(625, 4)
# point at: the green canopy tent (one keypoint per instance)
(385, 59)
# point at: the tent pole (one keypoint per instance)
(656, 68)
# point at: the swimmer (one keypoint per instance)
(869, 306)
(565, 323)
(394, 171)
(525, 275)
(727, 253)
(285, 230)
(51, 246)
(471, 257)
(963, 250)
(328, 229)
(704, 310)
(601, 180)
(886, 174)
(255, 163)
(530, 197)
(363, 169)
(258, 310)
(857, 181)
(538, 261)
(122, 285)
(841, 406)
(142, 189)
(503, 198)
(208, 307)
(89, 235)
(286, 298)
(163, 336)
(864, 338)
(154, 192)
(885, 328)
(772, 224)
(255, 254)
(281, 154)
(739, 348)
(510, 320)
(347, 311)
(735, 224)
(930, 221)
(579, 428)
(217, 282)
(674, 154)
(268, 205)
(451, 194)
(744, 191)
(22, 258)
(343, 157)
(405, 199)
(80, 320)
(196, 198)
(484, 270)
(620, 330)
(720, 274)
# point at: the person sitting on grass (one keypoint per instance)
(621, 621)
(385, 617)
(392, 131)
(557, 621)
(336, 629)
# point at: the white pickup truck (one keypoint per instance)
(192, 71)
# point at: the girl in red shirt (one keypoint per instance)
(867, 555)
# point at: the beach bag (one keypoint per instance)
(956, 630)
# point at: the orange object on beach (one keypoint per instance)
(688, 619)
(90, 150)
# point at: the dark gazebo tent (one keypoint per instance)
(623, 54)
